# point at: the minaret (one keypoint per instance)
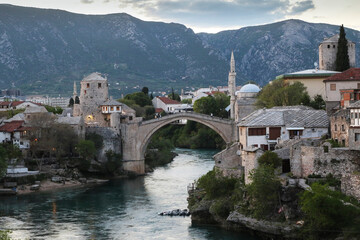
(232, 86)
(75, 91)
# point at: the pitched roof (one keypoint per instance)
(11, 126)
(352, 74)
(94, 77)
(355, 105)
(5, 103)
(289, 116)
(168, 101)
(16, 103)
(111, 102)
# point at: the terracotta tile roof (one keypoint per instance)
(16, 103)
(11, 126)
(168, 101)
(352, 74)
(158, 110)
(5, 103)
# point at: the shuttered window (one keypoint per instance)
(257, 131)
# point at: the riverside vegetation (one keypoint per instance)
(326, 213)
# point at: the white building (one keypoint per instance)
(16, 133)
(167, 104)
(265, 128)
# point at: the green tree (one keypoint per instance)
(145, 90)
(264, 191)
(186, 101)
(139, 98)
(328, 213)
(271, 159)
(174, 96)
(71, 102)
(3, 162)
(77, 100)
(222, 101)
(86, 149)
(205, 105)
(281, 93)
(342, 56)
(55, 110)
(317, 103)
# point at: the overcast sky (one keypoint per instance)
(214, 15)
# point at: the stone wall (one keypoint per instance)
(249, 159)
(228, 162)
(342, 163)
(111, 141)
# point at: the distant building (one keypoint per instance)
(15, 132)
(339, 126)
(167, 104)
(349, 79)
(327, 53)
(354, 130)
(311, 78)
(265, 128)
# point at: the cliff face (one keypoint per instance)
(44, 51)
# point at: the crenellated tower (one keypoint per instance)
(232, 86)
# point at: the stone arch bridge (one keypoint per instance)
(136, 135)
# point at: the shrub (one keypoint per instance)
(327, 212)
(270, 158)
(215, 185)
(264, 191)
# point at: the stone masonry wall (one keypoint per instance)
(228, 162)
(111, 141)
(342, 163)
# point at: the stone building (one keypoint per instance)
(94, 91)
(265, 128)
(354, 129)
(327, 53)
(339, 126)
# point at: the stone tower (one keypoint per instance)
(232, 86)
(327, 53)
(75, 91)
(93, 93)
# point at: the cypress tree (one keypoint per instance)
(77, 100)
(71, 102)
(342, 56)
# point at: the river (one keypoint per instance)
(119, 209)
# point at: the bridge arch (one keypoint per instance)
(223, 127)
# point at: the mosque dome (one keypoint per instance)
(249, 88)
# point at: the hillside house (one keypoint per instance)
(349, 79)
(167, 104)
(16, 133)
(265, 128)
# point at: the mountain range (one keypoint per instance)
(44, 51)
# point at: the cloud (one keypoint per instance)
(205, 13)
(300, 7)
(87, 1)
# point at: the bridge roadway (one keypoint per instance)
(136, 135)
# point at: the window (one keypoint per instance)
(275, 133)
(117, 108)
(257, 131)
(343, 142)
(357, 137)
(332, 87)
(333, 46)
(99, 85)
(111, 108)
(358, 85)
(352, 115)
(328, 46)
(88, 85)
(264, 147)
(335, 127)
(356, 115)
(84, 91)
(342, 127)
(295, 133)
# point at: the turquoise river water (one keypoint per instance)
(119, 209)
